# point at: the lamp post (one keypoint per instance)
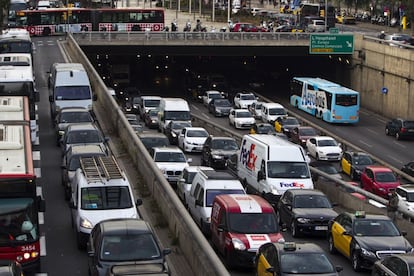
(228, 10)
(326, 15)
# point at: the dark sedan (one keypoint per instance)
(400, 128)
(124, 241)
(219, 107)
(217, 150)
(408, 168)
(394, 265)
(306, 211)
(353, 163)
(301, 134)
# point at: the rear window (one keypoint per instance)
(409, 124)
(104, 198)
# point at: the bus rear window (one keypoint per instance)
(346, 100)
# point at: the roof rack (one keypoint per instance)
(100, 168)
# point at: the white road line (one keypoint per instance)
(42, 241)
(372, 131)
(400, 145)
(37, 142)
(366, 144)
(38, 172)
(206, 116)
(41, 217)
(195, 107)
(39, 191)
(36, 155)
(396, 159)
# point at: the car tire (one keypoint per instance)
(294, 229)
(356, 265)
(397, 136)
(332, 248)
(387, 131)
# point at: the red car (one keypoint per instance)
(244, 27)
(379, 180)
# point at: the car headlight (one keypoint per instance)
(367, 253)
(238, 244)
(303, 220)
(173, 134)
(61, 132)
(216, 156)
(85, 223)
(208, 219)
(153, 121)
(381, 189)
(303, 140)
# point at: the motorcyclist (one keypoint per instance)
(174, 26)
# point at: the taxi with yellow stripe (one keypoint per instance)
(365, 238)
(353, 163)
(291, 258)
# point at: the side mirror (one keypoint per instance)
(138, 202)
(166, 251)
(339, 268)
(404, 233)
(346, 233)
(94, 97)
(189, 160)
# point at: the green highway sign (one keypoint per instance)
(331, 44)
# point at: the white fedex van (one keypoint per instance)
(69, 86)
(269, 165)
(173, 109)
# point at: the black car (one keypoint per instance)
(400, 128)
(365, 238)
(263, 128)
(292, 258)
(394, 265)
(173, 130)
(306, 211)
(153, 139)
(217, 150)
(408, 168)
(353, 163)
(219, 107)
(123, 241)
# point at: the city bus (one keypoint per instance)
(15, 6)
(324, 99)
(61, 20)
(20, 200)
(16, 41)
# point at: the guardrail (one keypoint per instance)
(171, 37)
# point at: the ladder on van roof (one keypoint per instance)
(100, 167)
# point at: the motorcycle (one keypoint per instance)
(187, 27)
(174, 26)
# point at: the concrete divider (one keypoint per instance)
(193, 244)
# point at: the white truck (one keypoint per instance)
(172, 109)
(268, 165)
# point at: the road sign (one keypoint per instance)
(331, 44)
(334, 30)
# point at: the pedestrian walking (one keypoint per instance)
(392, 206)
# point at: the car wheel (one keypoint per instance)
(317, 156)
(387, 131)
(332, 248)
(397, 136)
(294, 229)
(356, 265)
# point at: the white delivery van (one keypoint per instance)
(173, 109)
(269, 165)
(69, 86)
(272, 111)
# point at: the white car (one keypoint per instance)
(191, 139)
(256, 109)
(241, 118)
(211, 94)
(244, 100)
(171, 161)
(186, 179)
(324, 148)
(406, 197)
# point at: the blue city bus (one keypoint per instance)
(324, 99)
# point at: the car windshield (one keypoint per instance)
(287, 169)
(309, 263)
(277, 111)
(372, 228)
(129, 247)
(215, 96)
(410, 197)
(150, 142)
(307, 132)
(290, 121)
(75, 117)
(177, 157)
(104, 198)
(151, 103)
(225, 144)
(311, 201)
(385, 177)
(197, 133)
(212, 193)
(409, 124)
(72, 93)
(222, 103)
(265, 129)
(153, 113)
(327, 143)
(84, 137)
(243, 114)
(180, 125)
(362, 160)
(247, 97)
(252, 223)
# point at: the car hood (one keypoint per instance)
(223, 108)
(223, 152)
(320, 213)
(330, 149)
(397, 243)
(95, 216)
(196, 140)
(172, 165)
(245, 120)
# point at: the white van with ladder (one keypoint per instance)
(100, 191)
(268, 165)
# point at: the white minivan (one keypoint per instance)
(172, 109)
(69, 86)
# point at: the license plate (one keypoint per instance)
(319, 228)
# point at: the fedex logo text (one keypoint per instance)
(292, 185)
(247, 156)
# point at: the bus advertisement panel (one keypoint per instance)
(61, 20)
(325, 99)
(20, 202)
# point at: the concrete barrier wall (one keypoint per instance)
(198, 252)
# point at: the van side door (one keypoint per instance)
(192, 198)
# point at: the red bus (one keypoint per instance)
(20, 203)
(61, 20)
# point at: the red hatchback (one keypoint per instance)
(379, 180)
(244, 27)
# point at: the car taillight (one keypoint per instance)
(403, 129)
